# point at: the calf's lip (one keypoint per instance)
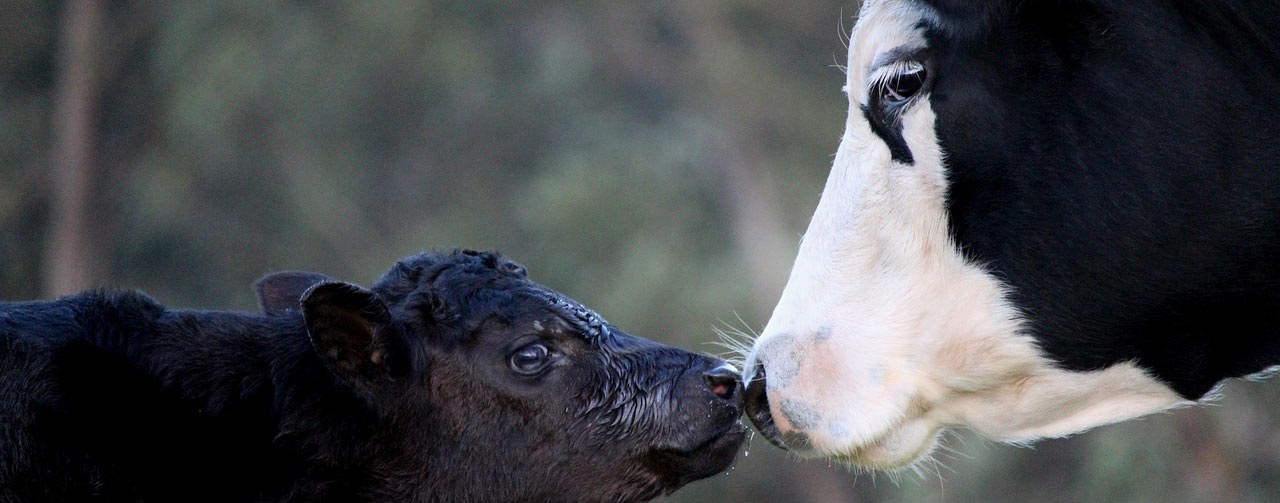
(708, 458)
(733, 434)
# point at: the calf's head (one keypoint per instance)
(499, 389)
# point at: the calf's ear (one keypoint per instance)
(281, 292)
(353, 333)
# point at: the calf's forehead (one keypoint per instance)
(592, 326)
(531, 306)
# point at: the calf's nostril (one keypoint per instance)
(722, 381)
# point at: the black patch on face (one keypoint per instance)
(894, 94)
(889, 129)
(1114, 163)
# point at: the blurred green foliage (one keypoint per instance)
(606, 145)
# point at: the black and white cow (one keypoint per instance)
(1043, 216)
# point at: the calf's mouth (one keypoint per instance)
(714, 449)
(703, 460)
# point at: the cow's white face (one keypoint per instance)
(885, 334)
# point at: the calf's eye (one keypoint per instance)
(530, 359)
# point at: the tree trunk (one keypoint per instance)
(67, 257)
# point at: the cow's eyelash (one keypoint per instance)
(882, 74)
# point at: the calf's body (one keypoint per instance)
(115, 397)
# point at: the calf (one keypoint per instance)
(455, 378)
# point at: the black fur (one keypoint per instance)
(1116, 162)
(282, 291)
(886, 126)
(398, 393)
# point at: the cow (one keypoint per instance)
(1042, 217)
(454, 378)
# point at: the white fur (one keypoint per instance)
(884, 334)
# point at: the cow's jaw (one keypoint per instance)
(885, 333)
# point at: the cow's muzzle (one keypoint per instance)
(757, 406)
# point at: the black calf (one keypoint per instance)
(454, 378)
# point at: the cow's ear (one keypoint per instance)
(353, 333)
(281, 292)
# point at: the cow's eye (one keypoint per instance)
(530, 359)
(901, 86)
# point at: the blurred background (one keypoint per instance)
(655, 160)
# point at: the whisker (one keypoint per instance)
(735, 343)
(843, 69)
(845, 35)
(753, 332)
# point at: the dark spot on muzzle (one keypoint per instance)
(799, 414)
(757, 406)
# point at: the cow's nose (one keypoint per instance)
(757, 405)
(722, 381)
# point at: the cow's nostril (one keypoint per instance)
(757, 402)
(757, 407)
(722, 381)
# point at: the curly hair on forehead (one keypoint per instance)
(448, 287)
(410, 272)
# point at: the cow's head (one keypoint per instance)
(493, 387)
(1007, 241)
